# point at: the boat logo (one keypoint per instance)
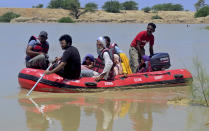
(165, 59)
(76, 81)
(30, 70)
(137, 79)
(158, 77)
(108, 83)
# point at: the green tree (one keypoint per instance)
(203, 12)
(77, 12)
(168, 7)
(7, 17)
(199, 4)
(91, 7)
(130, 5)
(56, 4)
(146, 9)
(112, 6)
(64, 4)
(38, 6)
(73, 6)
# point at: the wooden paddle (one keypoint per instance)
(38, 80)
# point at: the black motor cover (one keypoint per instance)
(160, 61)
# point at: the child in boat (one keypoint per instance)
(118, 70)
(87, 65)
(88, 61)
(144, 65)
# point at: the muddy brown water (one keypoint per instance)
(134, 110)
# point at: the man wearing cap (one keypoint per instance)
(36, 52)
(136, 50)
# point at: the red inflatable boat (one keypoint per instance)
(54, 83)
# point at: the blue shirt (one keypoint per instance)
(118, 50)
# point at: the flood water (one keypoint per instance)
(130, 110)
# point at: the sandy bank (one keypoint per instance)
(34, 15)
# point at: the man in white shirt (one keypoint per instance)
(107, 58)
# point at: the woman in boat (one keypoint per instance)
(87, 66)
(118, 70)
(88, 61)
(145, 65)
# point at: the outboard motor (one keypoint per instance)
(160, 61)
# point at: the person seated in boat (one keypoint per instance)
(86, 72)
(88, 61)
(144, 65)
(87, 66)
(136, 50)
(118, 70)
(116, 50)
(112, 46)
(104, 62)
(70, 64)
(36, 51)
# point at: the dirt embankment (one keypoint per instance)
(36, 15)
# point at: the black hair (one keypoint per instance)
(67, 38)
(107, 38)
(152, 24)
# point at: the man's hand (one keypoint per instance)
(98, 78)
(42, 53)
(47, 72)
(57, 58)
(90, 66)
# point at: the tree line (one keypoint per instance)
(112, 6)
(109, 6)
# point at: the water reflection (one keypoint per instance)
(141, 115)
(134, 109)
(50, 109)
(201, 118)
(34, 118)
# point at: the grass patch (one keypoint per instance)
(65, 20)
(200, 85)
(156, 17)
(207, 27)
(7, 17)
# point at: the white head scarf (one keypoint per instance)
(116, 58)
(102, 40)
